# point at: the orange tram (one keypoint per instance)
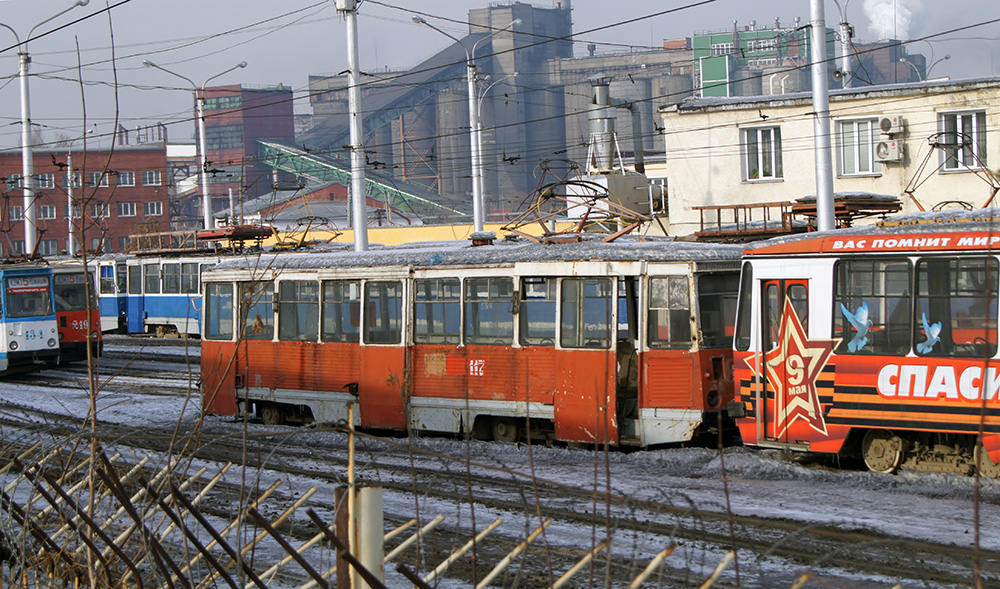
(880, 341)
(628, 342)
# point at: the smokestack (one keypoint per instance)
(602, 124)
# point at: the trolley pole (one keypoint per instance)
(359, 197)
(821, 124)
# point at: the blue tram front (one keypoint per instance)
(30, 335)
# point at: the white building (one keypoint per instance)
(930, 144)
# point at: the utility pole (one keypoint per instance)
(821, 124)
(359, 197)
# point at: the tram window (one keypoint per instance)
(107, 280)
(341, 310)
(134, 280)
(742, 339)
(717, 294)
(383, 312)
(257, 310)
(586, 313)
(628, 305)
(956, 307)
(189, 278)
(669, 313)
(120, 276)
(298, 310)
(772, 310)
(29, 296)
(488, 318)
(436, 310)
(151, 278)
(537, 311)
(70, 292)
(219, 311)
(871, 313)
(171, 278)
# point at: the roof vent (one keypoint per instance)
(483, 238)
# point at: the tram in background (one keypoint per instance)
(874, 340)
(152, 294)
(69, 289)
(29, 338)
(626, 342)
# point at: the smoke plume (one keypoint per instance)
(890, 19)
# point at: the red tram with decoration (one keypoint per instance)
(626, 342)
(875, 340)
(69, 290)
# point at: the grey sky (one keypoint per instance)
(201, 38)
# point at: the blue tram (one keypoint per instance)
(30, 337)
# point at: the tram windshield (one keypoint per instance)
(28, 296)
(70, 292)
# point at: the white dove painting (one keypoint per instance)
(933, 333)
(860, 322)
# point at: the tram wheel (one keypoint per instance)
(505, 429)
(883, 450)
(985, 464)
(271, 414)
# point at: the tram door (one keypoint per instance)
(381, 389)
(782, 369)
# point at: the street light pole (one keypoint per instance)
(199, 98)
(475, 133)
(927, 72)
(27, 155)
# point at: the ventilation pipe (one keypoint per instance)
(602, 126)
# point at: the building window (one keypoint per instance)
(154, 209)
(76, 179)
(722, 48)
(761, 148)
(126, 209)
(45, 181)
(963, 140)
(223, 102)
(151, 178)
(97, 244)
(16, 212)
(856, 142)
(123, 243)
(98, 179)
(14, 181)
(47, 212)
(48, 247)
(126, 178)
(101, 210)
(76, 211)
(224, 137)
(19, 247)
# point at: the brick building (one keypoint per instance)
(131, 196)
(236, 116)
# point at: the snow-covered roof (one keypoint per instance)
(502, 253)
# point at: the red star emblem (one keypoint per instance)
(792, 368)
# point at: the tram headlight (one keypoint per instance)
(51, 342)
(94, 334)
(13, 345)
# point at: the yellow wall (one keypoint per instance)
(401, 235)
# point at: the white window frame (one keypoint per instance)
(48, 247)
(854, 154)
(46, 180)
(47, 212)
(153, 208)
(14, 181)
(93, 179)
(101, 210)
(151, 178)
(963, 157)
(126, 178)
(771, 134)
(15, 212)
(126, 209)
(76, 179)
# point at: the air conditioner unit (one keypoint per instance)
(890, 124)
(888, 151)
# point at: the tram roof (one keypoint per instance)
(901, 231)
(501, 253)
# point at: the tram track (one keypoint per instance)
(319, 454)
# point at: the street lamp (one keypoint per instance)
(27, 164)
(479, 139)
(199, 94)
(475, 135)
(927, 72)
